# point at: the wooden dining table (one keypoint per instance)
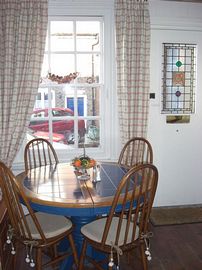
(57, 189)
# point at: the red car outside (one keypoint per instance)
(59, 138)
(39, 122)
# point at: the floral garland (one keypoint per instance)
(63, 79)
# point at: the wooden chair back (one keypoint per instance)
(13, 196)
(136, 193)
(39, 152)
(137, 150)
(34, 229)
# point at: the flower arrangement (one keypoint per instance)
(83, 162)
(63, 79)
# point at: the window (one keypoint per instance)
(179, 68)
(72, 84)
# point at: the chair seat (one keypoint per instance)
(95, 230)
(52, 225)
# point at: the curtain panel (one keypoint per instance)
(23, 26)
(133, 56)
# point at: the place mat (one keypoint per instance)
(176, 215)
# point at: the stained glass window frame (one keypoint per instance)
(178, 78)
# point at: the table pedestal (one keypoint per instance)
(79, 221)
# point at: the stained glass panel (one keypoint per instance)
(179, 67)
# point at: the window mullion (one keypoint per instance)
(50, 115)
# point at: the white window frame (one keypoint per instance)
(108, 122)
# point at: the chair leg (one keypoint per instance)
(143, 257)
(128, 257)
(52, 251)
(55, 250)
(82, 256)
(75, 255)
(38, 259)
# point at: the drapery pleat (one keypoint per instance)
(23, 26)
(133, 56)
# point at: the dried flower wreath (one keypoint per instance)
(62, 79)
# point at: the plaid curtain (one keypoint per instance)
(133, 57)
(23, 26)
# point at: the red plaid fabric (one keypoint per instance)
(133, 57)
(23, 26)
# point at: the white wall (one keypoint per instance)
(177, 147)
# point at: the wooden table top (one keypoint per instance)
(58, 186)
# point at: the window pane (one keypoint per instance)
(91, 68)
(88, 36)
(39, 123)
(62, 64)
(92, 138)
(92, 99)
(62, 38)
